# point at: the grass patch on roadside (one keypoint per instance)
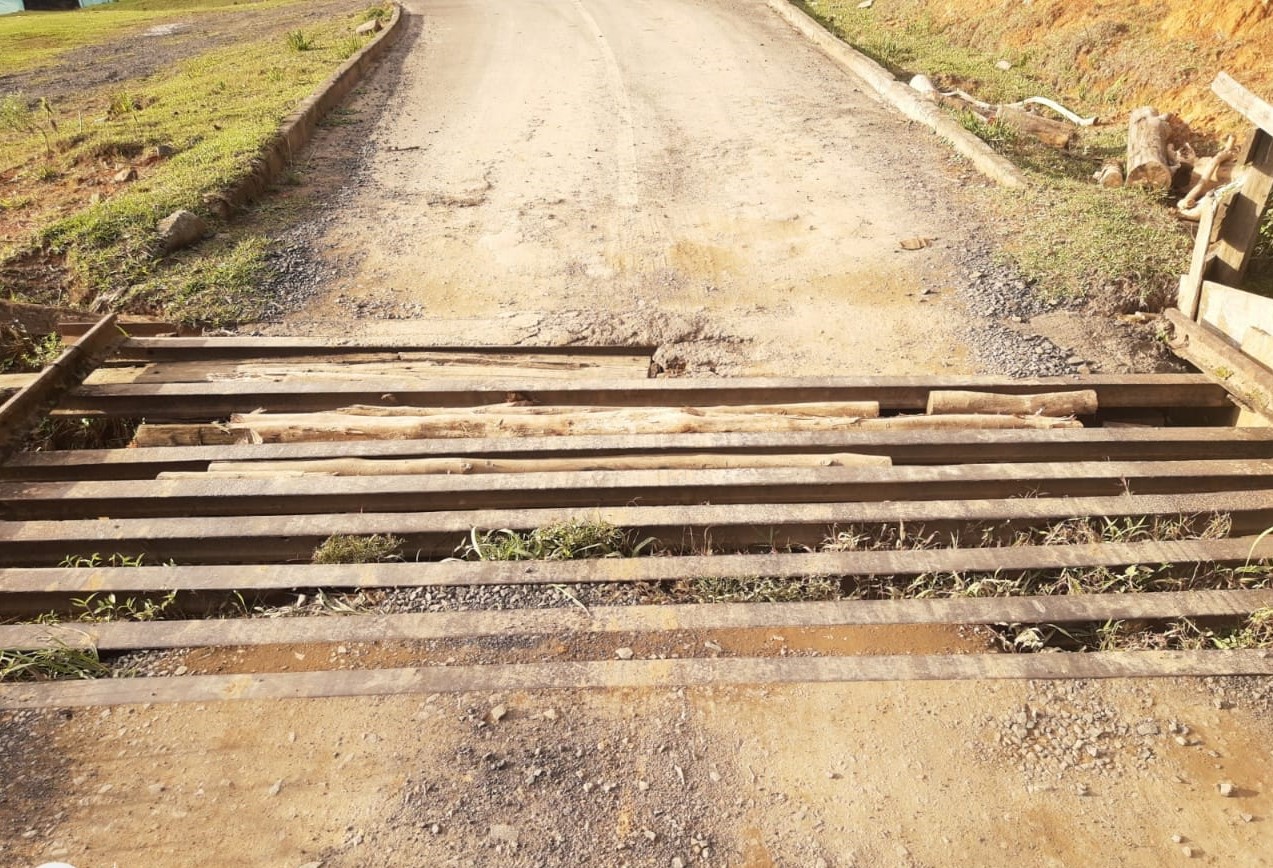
(188, 132)
(1122, 249)
(35, 39)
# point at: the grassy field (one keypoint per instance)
(31, 40)
(86, 178)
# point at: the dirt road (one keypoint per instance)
(580, 169)
(689, 172)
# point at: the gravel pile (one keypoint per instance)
(997, 293)
(1065, 736)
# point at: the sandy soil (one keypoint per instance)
(590, 169)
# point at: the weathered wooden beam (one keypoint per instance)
(209, 401)
(1249, 382)
(633, 674)
(131, 636)
(429, 535)
(301, 495)
(20, 414)
(1243, 101)
(201, 348)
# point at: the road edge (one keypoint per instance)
(297, 129)
(994, 166)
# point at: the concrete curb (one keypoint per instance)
(901, 97)
(298, 128)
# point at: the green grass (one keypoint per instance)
(346, 549)
(51, 664)
(36, 39)
(1122, 249)
(555, 542)
(755, 589)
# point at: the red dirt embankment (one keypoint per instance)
(1117, 54)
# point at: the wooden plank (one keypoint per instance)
(132, 636)
(654, 461)
(904, 447)
(1248, 381)
(663, 674)
(22, 411)
(201, 348)
(208, 401)
(262, 577)
(1241, 223)
(420, 366)
(1258, 344)
(73, 327)
(1233, 312)
(1213, 210)
(1243, 101)
(301, 495)
(272, 539)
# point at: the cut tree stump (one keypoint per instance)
(1148, 163)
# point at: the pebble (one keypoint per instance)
(623, 653)
(1226, 789)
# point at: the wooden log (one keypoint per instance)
(812, 409)
(1058, 134)
(152, 434)
(301, 427)
(960, 446)
(668, 461)
(1110, 175)
(1081, 403)
(1148, 163)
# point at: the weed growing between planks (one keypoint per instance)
(63, 661)
(346, 549)
(563, 541)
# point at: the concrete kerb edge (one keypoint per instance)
(900, 97)
(298, 127)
